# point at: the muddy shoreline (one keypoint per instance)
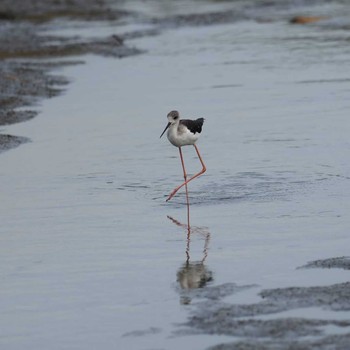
(28, 55)
(212, 315)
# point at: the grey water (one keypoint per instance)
(89, 256)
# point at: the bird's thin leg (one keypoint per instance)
(201, 160)
(183, 164)
(172, 194)
(185, 177)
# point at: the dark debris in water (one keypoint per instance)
(43, 11)
(339, 262)
(259, 11)
(199, 19)
(9, 141)
(28, 45)
(256, 331)
(335, 297)
(339, 342)
(256, 328)
(209, 293)
(22, 84)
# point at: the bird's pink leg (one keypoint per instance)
(172, 194)
(183, 164)
(185, 175)
(187, 200)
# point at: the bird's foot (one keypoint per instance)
(171, 195)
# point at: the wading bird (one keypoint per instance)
(184, 132)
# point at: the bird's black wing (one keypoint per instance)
(193, 125)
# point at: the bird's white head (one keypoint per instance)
(173, 118)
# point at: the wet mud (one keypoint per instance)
(342, 262)
(340, 342)
(9, 141)
(22, 85)
(199, 19)
(26, 71)
(259, 325)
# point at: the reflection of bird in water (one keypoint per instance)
(184, 132)
(193, 275)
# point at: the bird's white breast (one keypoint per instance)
(179, 136)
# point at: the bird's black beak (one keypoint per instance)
(165, 129)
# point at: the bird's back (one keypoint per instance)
(193, 126)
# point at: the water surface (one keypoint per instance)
(89, 256)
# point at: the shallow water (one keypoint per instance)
(88, 254)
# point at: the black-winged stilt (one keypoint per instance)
(184, 132)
